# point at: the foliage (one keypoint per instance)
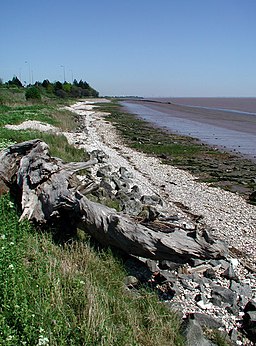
(61, 90)
(33, 93)
(71, 294)
(15, 82)
(5, 143)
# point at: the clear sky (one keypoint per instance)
(133, 47)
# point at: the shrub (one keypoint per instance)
(33, 93)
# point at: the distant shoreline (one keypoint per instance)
(228, 128)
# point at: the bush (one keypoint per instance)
(33, 93)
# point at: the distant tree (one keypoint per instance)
(75, 83)
(57, 86)
(61, 93)
(67, 87)
(45, 83)
(75, 92)
(83, 85)
(15, 81)
(32, 93)
(1, 81)
(94, 93)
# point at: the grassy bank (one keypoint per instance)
(14, 109)
(55, 293)
(220, 169)
(71, 294)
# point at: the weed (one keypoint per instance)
(71, 294)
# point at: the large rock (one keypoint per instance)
(194, 335)
(222, 294)
(249, 320)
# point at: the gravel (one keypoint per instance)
(228, 215)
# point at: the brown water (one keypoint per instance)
(244, 104)
(221, 122)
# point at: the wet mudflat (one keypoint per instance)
(227, 128)
(220, 168)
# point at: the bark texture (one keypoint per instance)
(47, 190)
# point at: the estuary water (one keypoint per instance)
(233, 130)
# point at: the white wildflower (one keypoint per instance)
(3, 236)
(43, 341)
(11, 266)
(11, 204)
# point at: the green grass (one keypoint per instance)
(15, 110)
(71, 294)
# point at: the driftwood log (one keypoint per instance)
(44, 190)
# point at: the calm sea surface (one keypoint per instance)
(226, 123)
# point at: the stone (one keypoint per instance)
(249, 324)
(151, 200)
(250, 306)
(241, 289)
(125, 174)
(193, 334)
(149, 213)
(106, 185)
(233, 335)
(223, 294)
(195, 262)
(166, 275)
(210, 274)
(134, 192)
(207, 320)
(99, 155)
(116, 180)
(229, 273)
(131, 281)
(252, 197)
(224, 264)
(152, 266)
(234, 262)
(104, 171)
(132, 207)
(172, 265)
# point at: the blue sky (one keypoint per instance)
(134, 47)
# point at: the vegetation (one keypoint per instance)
(221, 169)
(71, 294)
(33, 93)
(56, 292)
(59, 292)
(62, 90)
(51, 112)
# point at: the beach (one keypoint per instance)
(196, 205)
(228, 124)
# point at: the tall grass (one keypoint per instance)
(71, 294)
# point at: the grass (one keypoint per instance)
(14, 110)
(71, 294)
(54, 293)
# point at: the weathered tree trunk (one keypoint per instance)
(47, 193)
